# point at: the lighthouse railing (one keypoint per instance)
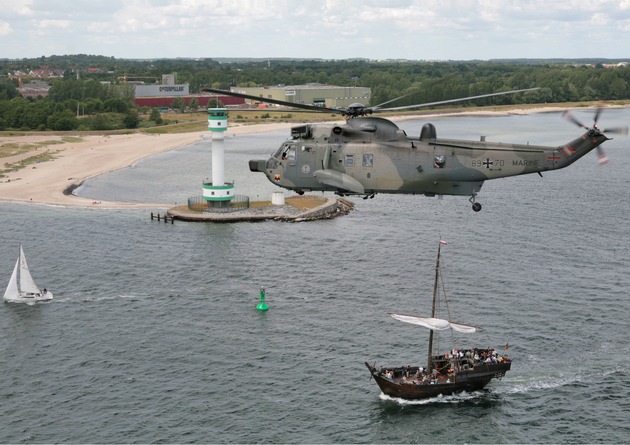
(199, 204)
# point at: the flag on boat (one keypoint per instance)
(443, 242)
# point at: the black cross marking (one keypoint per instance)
(488, 163)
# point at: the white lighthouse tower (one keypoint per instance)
(217, 192)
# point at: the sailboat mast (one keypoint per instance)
(19, 270)
(433, 309)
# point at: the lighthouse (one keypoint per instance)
(217, 192)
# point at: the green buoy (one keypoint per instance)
(262, 306)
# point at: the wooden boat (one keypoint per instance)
(455, 371)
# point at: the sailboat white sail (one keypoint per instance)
(22, 287)
(436, 324)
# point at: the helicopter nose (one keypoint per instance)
(257, 165)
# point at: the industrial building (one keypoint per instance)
(163, 95)
(311, 94)
(331, 96)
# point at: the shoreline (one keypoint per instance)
(75, 162)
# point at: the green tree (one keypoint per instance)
(62, 121)
(131, 119)
(155, 116)
(179, 104)
(117, 105)
(8, 90)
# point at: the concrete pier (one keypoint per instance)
(295, 209)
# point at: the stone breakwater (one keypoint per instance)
(331, 208)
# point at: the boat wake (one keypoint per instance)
(453, 398)
(82, 298)
(114, 297)
(540, 383)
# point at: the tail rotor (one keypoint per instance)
(602, 159)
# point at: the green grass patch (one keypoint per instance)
(14, 148)
(18, 148)
(42, 157)
(69, 139)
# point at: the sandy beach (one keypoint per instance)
(90, 156)
(93, 155)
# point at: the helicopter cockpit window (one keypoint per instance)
(349, 162)
(439, 161)
(368, 160)
(288, 152)
(278, 152)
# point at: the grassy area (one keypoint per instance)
(191, 122)
(18, 148)
(42, 157)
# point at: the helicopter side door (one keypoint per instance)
(300, 163)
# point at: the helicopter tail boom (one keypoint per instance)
(567, 154)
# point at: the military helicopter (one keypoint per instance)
(369, 155)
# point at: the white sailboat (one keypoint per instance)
(22, 287)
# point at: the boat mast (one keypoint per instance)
(433, 309)
(19, 271)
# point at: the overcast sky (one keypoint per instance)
(328, 29)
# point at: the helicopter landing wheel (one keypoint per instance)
(475, 205)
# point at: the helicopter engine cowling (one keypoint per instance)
(257, 165)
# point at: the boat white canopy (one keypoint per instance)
(436, 324)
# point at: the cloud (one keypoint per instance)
(436, 29)
(5, 28)
(56, 24)
(22, 7)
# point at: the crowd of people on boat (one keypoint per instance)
(445, 366)
(474, 356)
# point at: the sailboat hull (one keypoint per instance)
(469, 380)
(29, 298)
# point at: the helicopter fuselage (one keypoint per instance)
(370, 155)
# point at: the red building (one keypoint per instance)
(202, 100)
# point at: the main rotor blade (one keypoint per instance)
(377, 107)
(275, 101)
(408, 107)
(602, 159)
(573, 119)
(598, 111)
(617, 130)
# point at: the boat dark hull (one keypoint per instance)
(469, 380)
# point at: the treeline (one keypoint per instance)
(419, 82)
(70, 105)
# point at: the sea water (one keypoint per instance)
(153, 334)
